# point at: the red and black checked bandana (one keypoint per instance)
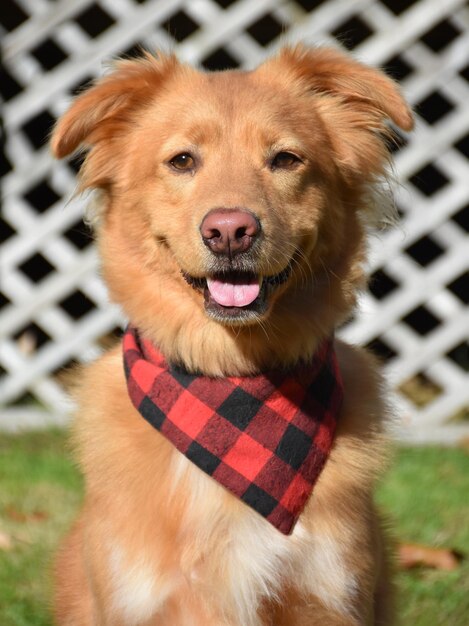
(265, 438)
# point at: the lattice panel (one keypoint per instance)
(53, 306)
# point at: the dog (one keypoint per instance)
(232, 231)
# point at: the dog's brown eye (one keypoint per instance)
(183, 161)
(285, 161)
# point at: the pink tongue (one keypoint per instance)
(233, 294)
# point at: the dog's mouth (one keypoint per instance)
(237, 296)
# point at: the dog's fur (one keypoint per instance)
(159, 542)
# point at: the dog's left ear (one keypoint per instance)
(327, 70)
(354, 101)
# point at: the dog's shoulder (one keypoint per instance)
(101, 382)
(106, 426)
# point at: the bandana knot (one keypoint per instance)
(265, 438)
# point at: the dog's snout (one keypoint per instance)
(229, 231)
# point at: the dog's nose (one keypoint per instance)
(229, 231)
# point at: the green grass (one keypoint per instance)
(425, 494)
(40, 490)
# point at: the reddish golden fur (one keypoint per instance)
(158, 542)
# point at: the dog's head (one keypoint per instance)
(233, 199)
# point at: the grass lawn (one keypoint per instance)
(425, 494)
(40, 491)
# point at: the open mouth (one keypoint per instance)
(237, 296)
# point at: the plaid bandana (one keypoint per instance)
(265, 438)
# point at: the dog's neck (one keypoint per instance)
(290, 334)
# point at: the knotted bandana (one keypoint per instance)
(265, 438)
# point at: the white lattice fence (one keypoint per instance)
(53, 307)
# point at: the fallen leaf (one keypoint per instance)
(412, 555)
(20, 516)
(39, 516)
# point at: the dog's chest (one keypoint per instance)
(228, 580)
(229, 559)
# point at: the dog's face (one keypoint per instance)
(232, 189)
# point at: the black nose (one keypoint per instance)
(229, 231)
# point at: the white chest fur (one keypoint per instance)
(138, 592)
(234, 560)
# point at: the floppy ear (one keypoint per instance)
(329, 71)
(353, 100)
(105, 107)
(103, 115)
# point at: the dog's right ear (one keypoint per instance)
(106, 106)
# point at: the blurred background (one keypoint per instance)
(53, 306)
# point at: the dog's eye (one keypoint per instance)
(285, 161)
(183, 161)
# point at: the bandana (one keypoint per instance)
(265, 438)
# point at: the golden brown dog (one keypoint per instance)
(231, 232)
